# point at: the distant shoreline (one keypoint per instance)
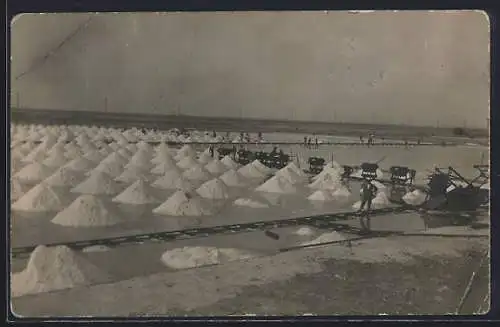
(224, 124)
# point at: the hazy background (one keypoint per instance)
(420, 68)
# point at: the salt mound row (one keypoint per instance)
(65, 177)
(251, 172)
(305, 231)
(80, 164)
(197, 256)
(213, 189)
(244, 202)
(17, 189)
(187, 162)
(277, 184)
(233, 178)
(138, 193)
(88, 211)
(133, 174)
(98, 183)
(163, 167)
(34, 173)
(182, 204)
(197, 173)
(289, 175)
(205, 158)
(327, 182)
(216, 167)
(325, 238)
(229, 163)
(321, 195)
(40, 198)
(172, 180)
(414, 198)
(56, 268)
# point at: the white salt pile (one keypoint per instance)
(36, 155)
(290, 175)
(132, 148)
(341, 192)
(133, 174)
(15, 165)
(145, 146)
(185, 151)
(205, 158)
(34, 173)
(56, 160)
(114, 159)
(328, 181)
(320, 195)
(216, 167)
(257, 164)
(98, 183)
(172, 180)
(88, 211)
(65, 177)
(381, 200)
(325, 238)
(80, 164)
(124, 153)
(138, 193)
(112, 169)
(233, 178)
(230, 254)
(187, 162)
(140, 159)
(162, 158)
(245, 202)
(163, 149)
(305, 231)
(96, 248)
(213, 189)
(229, 163)
(17, 189)
(197, 173)
(163, 167)
(40, 198)
(93, 156)
(190, 257)
(277, 184)
(414, 198)
(251, 172)
(182, 204)
(296, 169)
(56, 268)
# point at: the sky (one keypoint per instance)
(407, 67)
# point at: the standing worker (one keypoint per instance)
(317, 145)
(368, 192)
(305, 141)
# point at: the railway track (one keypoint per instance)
(330, 221)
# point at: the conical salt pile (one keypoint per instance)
(290, 175)
(163, 167)
(34, 173)
(320, 195)
(216, 167)
(113, 170)
(124, 153)
(144, 146)
(305, 231)
(65, 177)
(233, 178)
(172, 180)
(88, 211)
(185, 151)
(190, 257)
(17, 189)
(207, 151)
(15, 165)
(163, 149)
(73, 154)
(138, 193)
(327, 170)
(36, 155)
(182, 204)
(251, 172)
(381, 200)
(98, 183)
(56, 159)
(93, 156)
(114, 158)
(229, 163)
(187, 162)
(277, 184)
(205, 158)
(296, 169)
(329, 181)
(162, 158)
(40, 198)
(341, 192)
(80, 164)
(197, 173)
(132, 148)
(140, 159)
(56, 268)
(133, 174)
(257, 164)
(213, 189)
(243, 202)
(415, 197)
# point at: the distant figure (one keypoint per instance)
(275, 151)
(370, 140)
(234, 151)
(361, 139)
(368, 192)
(259, 135)
(309, 142)
(214, 134)
(211, 149)
(305, 141)
(406, 144)
(282, 153)
(317, 144)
